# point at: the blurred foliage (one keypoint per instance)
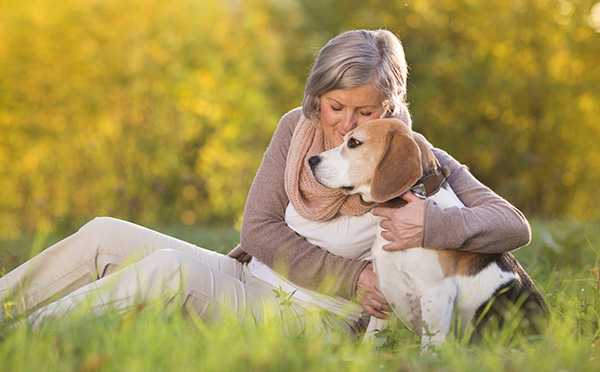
(159, 112)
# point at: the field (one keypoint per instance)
(563, 259)
(155, 112)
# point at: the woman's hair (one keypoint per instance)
(356, 58)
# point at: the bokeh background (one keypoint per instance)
(159, 112)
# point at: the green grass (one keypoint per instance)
(563, 260)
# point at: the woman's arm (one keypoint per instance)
(266, 236)
(487, 224)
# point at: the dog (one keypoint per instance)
(430, 291)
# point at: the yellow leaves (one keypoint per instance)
(568, 178)
(31, 160)
(413, 21)
(161, 111)
(587, 102)
(562, 66)
(221, 166)
(502, 49)
(157, 53)
(457, 25)
(593, 19)
(190, 192)
(564, 12)
(108, 128)
(422, 7)
(492, 112)
(188, 217)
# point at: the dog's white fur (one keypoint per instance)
(428, 297)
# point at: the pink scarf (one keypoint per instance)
(311, 199)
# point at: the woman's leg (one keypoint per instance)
(98, 249)
(213, 286)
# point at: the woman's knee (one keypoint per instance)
(113, 235)
(112, 241)
(102, 225)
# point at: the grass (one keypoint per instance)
(563, 260)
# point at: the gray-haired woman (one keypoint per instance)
(313, 243)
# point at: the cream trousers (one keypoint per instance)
(110, 262)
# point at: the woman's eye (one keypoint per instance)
(336, 108)
(353, 142)
(366, 113)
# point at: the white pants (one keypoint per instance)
(110, 262)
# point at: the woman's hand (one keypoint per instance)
(368, 294)
(403, 227)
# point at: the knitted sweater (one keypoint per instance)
(487, 223)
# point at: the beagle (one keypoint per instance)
(430, 290)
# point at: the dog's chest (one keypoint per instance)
(403, 274)
(414, 264)
(417, 263)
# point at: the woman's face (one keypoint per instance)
(344, 110)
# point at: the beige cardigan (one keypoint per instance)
(488, 223)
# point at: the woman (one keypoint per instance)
(297, 237)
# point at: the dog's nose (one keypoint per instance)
(314, 160)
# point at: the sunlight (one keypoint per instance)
(594, 17)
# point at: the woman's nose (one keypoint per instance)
(349, 122)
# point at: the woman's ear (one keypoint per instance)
(399, 168)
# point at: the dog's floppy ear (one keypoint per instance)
(429, 162)
(399, 168)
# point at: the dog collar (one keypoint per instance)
(431, 183)
(425, 186)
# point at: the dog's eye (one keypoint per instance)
(353, 142)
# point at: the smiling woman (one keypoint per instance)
(344, 110)
(357, 59)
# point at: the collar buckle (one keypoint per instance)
(419, 190)
(431, 183)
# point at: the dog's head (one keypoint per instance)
(380, 160)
